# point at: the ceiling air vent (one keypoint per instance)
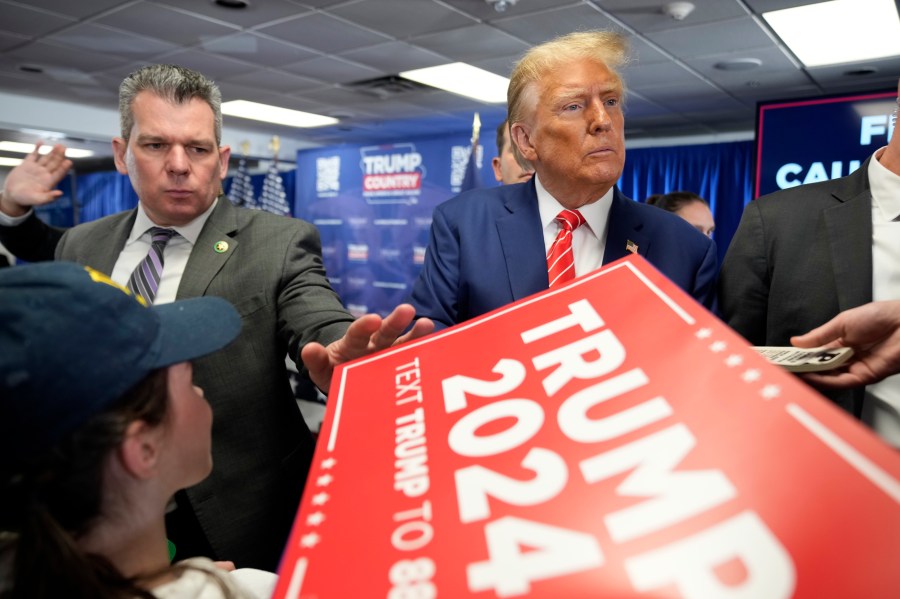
(387, 87)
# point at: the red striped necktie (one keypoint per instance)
(560, 259)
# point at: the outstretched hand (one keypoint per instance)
(366, 335)
(873, 331)
(34, 181)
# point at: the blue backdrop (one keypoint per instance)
(721, 173)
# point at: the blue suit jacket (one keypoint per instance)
(487, 250)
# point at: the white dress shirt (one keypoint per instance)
(588, 240)
(881, 408)
(175, 255)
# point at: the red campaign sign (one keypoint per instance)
(609, 438)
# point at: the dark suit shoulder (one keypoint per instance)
(822, 193)
(485, 200)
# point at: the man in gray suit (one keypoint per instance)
(269, 267)
(802, 255)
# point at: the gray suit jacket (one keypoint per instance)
(798, 258)
(273, 274)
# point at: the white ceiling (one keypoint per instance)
(304, 54)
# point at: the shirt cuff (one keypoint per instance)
(14, 221)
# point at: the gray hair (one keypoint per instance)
(606, 47)
(170, 82)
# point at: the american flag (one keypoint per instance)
(472, 178)
(241, 191)
(273, 198)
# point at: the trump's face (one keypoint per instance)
(574, 135)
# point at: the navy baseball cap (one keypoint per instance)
(72, 342)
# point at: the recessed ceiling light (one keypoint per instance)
(839, 31)
(237, 4)
(23, 148)
(861, 72)
(738, 64)
(275, 114)
(463, 79)
(4, 161)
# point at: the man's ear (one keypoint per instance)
(120, 148)
(224, 156)
(140, 450)
(521, 136)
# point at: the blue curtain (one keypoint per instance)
(103, 193)
(721, 173)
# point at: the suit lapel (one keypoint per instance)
(521, 238)
(849, 227)
(100, 256)
(206, 260)
(624, 228)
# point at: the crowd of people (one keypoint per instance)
(111, 455)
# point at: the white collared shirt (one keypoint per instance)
(588, 240)
(881, 409)
(176, 254)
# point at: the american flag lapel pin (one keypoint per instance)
(631, 246)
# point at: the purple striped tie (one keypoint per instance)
(144, 280)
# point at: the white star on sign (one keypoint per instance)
(733, 360)
(718, 347)
(320, 498)
(315, 518)
(751, 375)
(310, 540)
(703, 333)
(328, 463)
(324, 480)
(770, 391)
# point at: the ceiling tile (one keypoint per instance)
(502, 65)
(46, 54)
(164, 23)
(481, 10)
(11, 40)
(702, 40)
(472, 43)
(537, 28)
(647, 15)
(700, 97)
(30, 22)
(214, 67)
(394, 57)
(324, 33)
(644, 76)
(449, 102)
(257, 49)
(402, 19)
(255, 13)
(98, 38)
(333, 70)
(273, 81)
(78, 10)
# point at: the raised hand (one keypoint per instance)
(34, 181)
